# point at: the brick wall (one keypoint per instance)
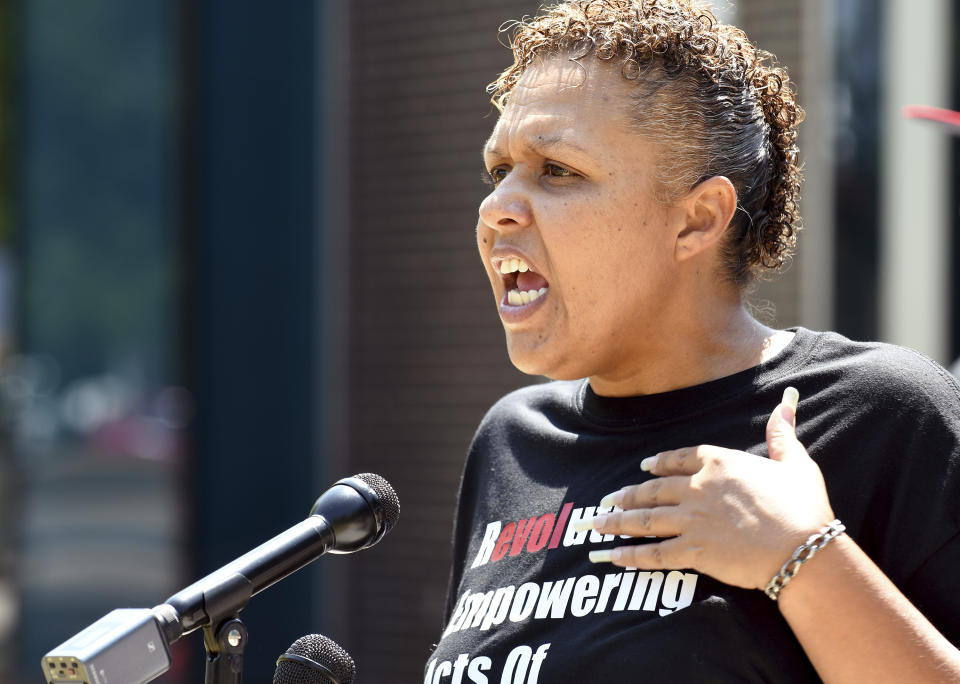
(427, 350)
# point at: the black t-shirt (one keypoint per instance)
(525, 605)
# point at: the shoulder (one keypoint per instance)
(878, 372)
(527, 403)
(515, 427)
(533, 409)
(543, 396)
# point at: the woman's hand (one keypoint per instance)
(729, 514)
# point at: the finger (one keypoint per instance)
(663, 521)
(781, 431)
(670, 553)
(657, 491)
(686, 461)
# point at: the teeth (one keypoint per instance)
(518, 297)
(513, 266)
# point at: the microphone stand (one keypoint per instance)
(225, 642)
(359, 521)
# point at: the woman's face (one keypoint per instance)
(580, 255)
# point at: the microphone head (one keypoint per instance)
(360, 510)
(315, 659)
(388, 498)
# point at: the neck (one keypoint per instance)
(721, 340)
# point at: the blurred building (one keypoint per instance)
(241, 265)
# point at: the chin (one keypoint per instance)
(539, 361)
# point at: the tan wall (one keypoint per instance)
(775, 25)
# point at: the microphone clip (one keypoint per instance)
(225, 643)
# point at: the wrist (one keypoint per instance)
(802, 555)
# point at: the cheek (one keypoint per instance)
(484, 239)
(485, 242)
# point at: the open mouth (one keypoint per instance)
(521, 284)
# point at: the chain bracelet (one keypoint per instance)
(804, 552)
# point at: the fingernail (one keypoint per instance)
(583, 525)
(594, 523)
(612, 499)
(647, 464)
(605, 556)
(790, 397)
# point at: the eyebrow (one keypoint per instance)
(539, 143)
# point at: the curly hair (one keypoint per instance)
(717, 105)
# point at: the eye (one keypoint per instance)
(493, 176)
(555, 171)
(498, 173)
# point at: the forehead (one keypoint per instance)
(577, 101)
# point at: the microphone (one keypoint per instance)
(354, 514)
(315, 659)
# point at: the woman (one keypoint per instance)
(632, 520)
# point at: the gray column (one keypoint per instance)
(914, 308)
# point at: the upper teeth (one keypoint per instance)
(514, 265)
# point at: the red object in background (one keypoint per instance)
(939, 115)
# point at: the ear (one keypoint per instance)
(708, 209)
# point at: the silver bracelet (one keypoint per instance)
(804, 552)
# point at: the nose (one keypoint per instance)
(507, 207)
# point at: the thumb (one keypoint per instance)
(781, 427)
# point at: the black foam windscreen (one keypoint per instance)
(388, 497)
(315, 659)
